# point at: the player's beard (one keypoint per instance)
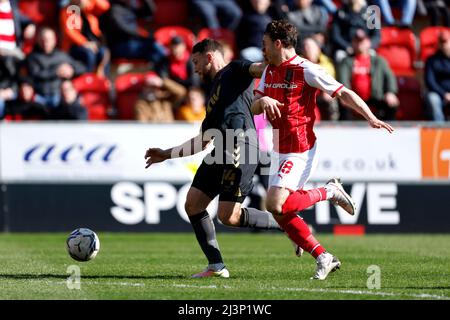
(206, 77)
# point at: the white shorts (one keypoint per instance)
(292, 170)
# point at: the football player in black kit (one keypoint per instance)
(228, 170)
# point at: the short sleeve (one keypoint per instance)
(262, 81)
(318, 78)
(241, 68)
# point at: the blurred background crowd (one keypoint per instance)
(130, 59)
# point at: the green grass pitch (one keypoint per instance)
(262, 266)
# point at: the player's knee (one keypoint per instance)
(274, 207)
(191, 208)
(228, 219)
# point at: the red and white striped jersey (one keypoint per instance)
(7, 30)
(296, 83)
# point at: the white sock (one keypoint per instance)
(330, 192)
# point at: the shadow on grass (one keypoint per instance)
(93, 277)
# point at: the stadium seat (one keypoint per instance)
(429, 41)
(164, 34)
(338, 3)
(171, 13)
(223, 35)
(411, 102)
(398, 47)
(41, 12)
(123, 65)
(128, 87)
(94, 93)
(11, 117)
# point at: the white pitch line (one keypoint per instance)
(192, 286)
(125, 284)
(374, 293)
(355, 292)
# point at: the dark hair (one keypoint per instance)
(23, 79)
(207, 45)
(45, 28)
(284, 31)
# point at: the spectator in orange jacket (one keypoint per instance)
(194, 109)
(82, 36)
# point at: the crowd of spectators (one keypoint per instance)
(39, 62)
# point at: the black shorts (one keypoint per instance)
(232, 182)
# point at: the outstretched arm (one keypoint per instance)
(350, 99)
(188, 148)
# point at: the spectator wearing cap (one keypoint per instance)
(158, 99)
(370, 77)
(48, 66)
(178, 65)
(437, 79)
(346, 21)
(82, 36)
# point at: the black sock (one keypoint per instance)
(206, 236)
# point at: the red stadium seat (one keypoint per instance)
(411, 105)
(429, 41)
(171, 13)
(398, 47)
(338, 3)
(164, 34)
(41, 12)
(94, 93)
(11, 117)
(128, 87)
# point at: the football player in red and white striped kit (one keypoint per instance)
(286, 94)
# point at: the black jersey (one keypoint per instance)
(230, 99)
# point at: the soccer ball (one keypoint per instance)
(83, 244)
